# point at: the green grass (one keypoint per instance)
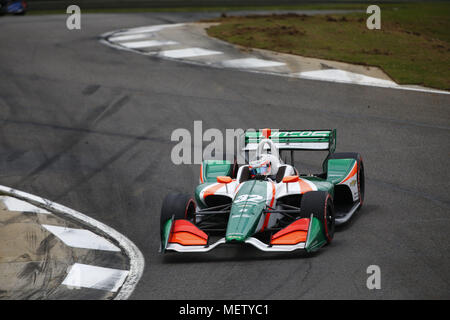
(412, 47)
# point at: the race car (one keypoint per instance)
(266, 202)
(13, 7)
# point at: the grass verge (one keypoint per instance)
(412, 47)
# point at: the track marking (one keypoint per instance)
(188, 52)
(251, 63)
(148, 29)
(94, 277)
(146, 44)
(344, 76)
(14, 204)
(128, 37)
(80, 238)
(137, 262)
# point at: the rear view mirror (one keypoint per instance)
(289, 179)
(224, 179)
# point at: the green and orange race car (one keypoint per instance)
(266, 202)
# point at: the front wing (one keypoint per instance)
(302, 234)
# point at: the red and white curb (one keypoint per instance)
(142, 40)
(80, 275)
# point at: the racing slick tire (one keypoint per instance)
(320, 205)
(360, 173)
(178, 205)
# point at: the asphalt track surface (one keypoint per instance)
(89, 127)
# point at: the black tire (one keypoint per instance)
(361, 179)
(320, 205)
(178, 205)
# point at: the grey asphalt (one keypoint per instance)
(89, 127)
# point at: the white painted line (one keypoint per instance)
(137, 262)
(87, 276)
(251, 63)
(129, 37)
(147, 29)
(147, 43)
(344, 76)
(14, 204)
(358, 79)
(80, 238)
(188, 52)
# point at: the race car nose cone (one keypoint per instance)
(235, 238)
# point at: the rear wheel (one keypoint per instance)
(178, 205)
(361, 179)
(320, 205)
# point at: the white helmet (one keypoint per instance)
(266, 165)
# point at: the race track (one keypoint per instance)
(89, 127)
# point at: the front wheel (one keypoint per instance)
(320, 205)
(177, 205)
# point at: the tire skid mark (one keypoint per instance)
(90, 89)
(88, 131)
(91, 119)
(112, 109)
(105, 164)
(444, 203)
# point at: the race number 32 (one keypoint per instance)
(249, 198)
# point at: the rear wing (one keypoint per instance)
(319, 140)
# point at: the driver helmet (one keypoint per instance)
(262, 166)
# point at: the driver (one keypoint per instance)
(265, 165)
